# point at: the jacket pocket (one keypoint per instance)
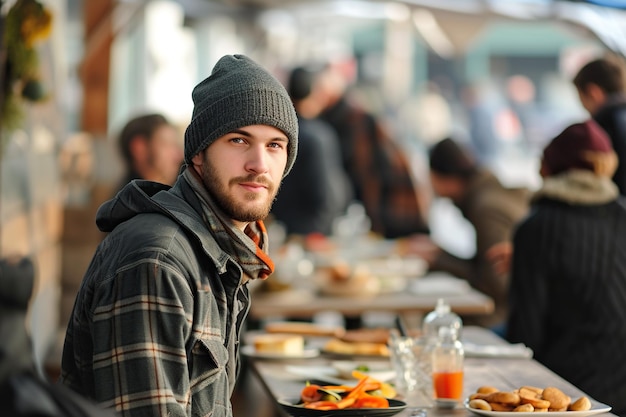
(209, 378)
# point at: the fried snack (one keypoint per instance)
(536, 390)
(486, 389)
(581, 404)
(532, 397)
(506, 398)
(541, 410)
(480, 404)
(501, 407)
(524, 408)
(558, 399)
(477, 396)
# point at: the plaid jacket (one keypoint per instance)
(379, 171)
(155, 326)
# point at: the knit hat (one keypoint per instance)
(571, 148)
(239, 93)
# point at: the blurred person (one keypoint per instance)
(156, 324)
(601, 86)
(568, 287)
(23, 392)
(317, 190)
(378, 169)
(151, 149)
(491, 208)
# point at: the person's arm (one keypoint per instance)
(141, 324)
(528, 295)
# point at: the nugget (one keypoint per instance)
(480, 404)
(501, 407)
(524, 408)
(558, 399)
(478, 396)
(486, 389)
(581, 404)
(503, 397)
(531, 397)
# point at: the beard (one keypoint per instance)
(232, 207)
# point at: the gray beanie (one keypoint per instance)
(239, 93)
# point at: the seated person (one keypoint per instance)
(491, 208)
(567, 279)
(23, 393)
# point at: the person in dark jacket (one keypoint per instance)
(23, 391)
(157, 321)
(568, 287)
(601, 86)
(491, 208)
(378, 168)
(317, 190)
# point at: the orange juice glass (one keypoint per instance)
(448, 385)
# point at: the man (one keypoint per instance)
(491, 208)
(377, 167)
(568, 287)
(150, 147)
(156, 324)
(601, 86)
(317, 190)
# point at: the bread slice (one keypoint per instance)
(285, 344)
(304, 328)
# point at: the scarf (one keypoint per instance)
(248, 248)
(578, 186)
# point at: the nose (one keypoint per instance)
(257, 160)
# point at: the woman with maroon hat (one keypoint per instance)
(568, 282)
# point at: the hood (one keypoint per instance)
(131, 200)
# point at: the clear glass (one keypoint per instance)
(413, 383)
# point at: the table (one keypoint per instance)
(304, 302)
(504, 373)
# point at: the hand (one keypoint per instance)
(500, 255)
(422, 246)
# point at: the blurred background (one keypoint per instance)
(428, 68)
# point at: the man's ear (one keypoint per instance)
(198, 158)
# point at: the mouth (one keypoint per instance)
(253, 186)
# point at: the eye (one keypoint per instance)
(237, 140)
(277, 144)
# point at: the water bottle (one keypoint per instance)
(447, 367)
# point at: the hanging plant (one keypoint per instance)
(27, 23)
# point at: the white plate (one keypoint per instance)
(251, 352)
(381, 371)
(331, 375)
(597, 408)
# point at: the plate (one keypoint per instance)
(597, 408)
(395, 406)
(332, 376)
(381, 371)
(251, 352)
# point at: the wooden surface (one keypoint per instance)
(505, 374)
(305, 302)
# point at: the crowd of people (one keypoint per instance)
(156, 325)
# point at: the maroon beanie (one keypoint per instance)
(567, 150)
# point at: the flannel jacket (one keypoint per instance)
(379, 171)
(155, 326)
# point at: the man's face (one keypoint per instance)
(242, 170)
(165, 154)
